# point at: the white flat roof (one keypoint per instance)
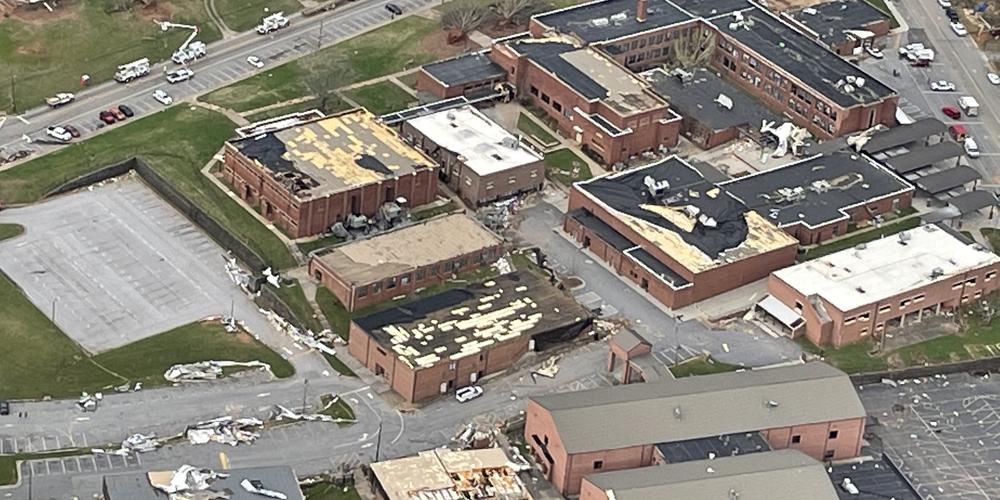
(886, 267)
(484, 146)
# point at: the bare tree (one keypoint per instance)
(323, 77)
(464, 16)
(694, 51)
(509, 11)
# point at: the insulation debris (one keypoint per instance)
(225, 430)
(257, 487)
(88, 402)
(320, 341)
(136, 443)
(287, 414)
(238, 276)
(184, 480)
(549, 368)
(207, 370)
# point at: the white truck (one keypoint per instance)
(60, 99)
(194, 50)
(272, 23)
(135, 69)
(969, 105)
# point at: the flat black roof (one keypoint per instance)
(711, 8)
(660, 269)
(580, 20)
(973, 200)
(627, 191)
(696, 100)
(875, 479)
(607, 233)
(904, 134)
(830, 19)
(804, 58)
(947, 180)
(923, 157)
(815, 191)
(546, 54)
(718, 446)
(465, 69)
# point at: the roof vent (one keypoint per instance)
(771, 403)
(904, 237)
(724, 101)
(811, 11)
(849, 487)
(937, 272)
(600, 22)
(451, 115)
(734, 495)
(709, 470)
(859, 290)
(677, 413)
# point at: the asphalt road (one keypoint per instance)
(224, 64)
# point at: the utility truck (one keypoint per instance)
(191, 49)
(272, 23)
(135, 69)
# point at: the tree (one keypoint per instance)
(464, 16)
(510, 10)
(694, 51)
(324, 76)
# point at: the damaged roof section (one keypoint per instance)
(709, 99)
(694, 221)
(250, 483)
(333, 154)
(451, 474)
(829, 20)
(462, 322)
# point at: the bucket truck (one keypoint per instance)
(128, 72)
(191, 49)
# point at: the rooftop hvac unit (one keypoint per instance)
(937, 272)
(859, 81)
(904, 237)
(820, 186)
(811, 11)
(600, 22)
(848, 88)
(851, 78)
(655, 187)
(724, 101)
(619, 18)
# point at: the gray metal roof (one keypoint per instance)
(578, 20)
(949, 179)
(774, 475)
(972, 201)
(923, 157)
(904, 134)
(464, 69)
(627, 339)
(136, 486)
(694, 407)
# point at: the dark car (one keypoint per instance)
(4, 408)
(952, 15)
(73, 131)
(127, 111)
(394, 9)
(118, 114)
(108, 117)
(951, 112)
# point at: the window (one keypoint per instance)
(452, 366)
(865, 317)
(796, 439)
(848, 321)
(956, 285)
(903, 303)
(828, 455)
(545, 98)
(380, 350)
(420, 274)
(971, 281)
(468, 180)
(363, 291)
(534, 174)
(919, 298)
(533, 90)
(556, 105)
(798, 306)
(990, 275)
(376, 288)
(885, 308)
(864, 332)
(489, 185)
(834, 434)
(405, 280)
(598, 464)
(512, 179)
(390, 283)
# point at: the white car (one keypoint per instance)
(959, 29)
(255, 62)
(179, 75)
(943, 86)
(993, 78)
(468, 393)
(162, 97)
(971, 148)
(874, 52)
(59, 133)
(944, 3)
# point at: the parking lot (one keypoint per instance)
(945, 432)
(115, 265)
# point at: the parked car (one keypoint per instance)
(107, 117)
(4, 408)
(163, 97)
(944, 3)
(959, 29)
(59, 133)
(993, 78)
(958, 132)
(874, 52)
(179, 75)
(73, 131)
(952, 14)
(951, 112)
(394, 9)
(255, 62)
(468, 393)
(127, 111)
(942, 86)
(118, 114)
(971, 148)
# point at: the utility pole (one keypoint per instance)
(305, 392)
(378, 439)
(13, 100)
(319, 38)
(54, 309)
(677, 340)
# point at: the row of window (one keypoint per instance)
(421, 274)
(916, 299)
(556, 105)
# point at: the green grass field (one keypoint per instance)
(177, 142)
(322, 242)
(528, 126)
(40, 360)
(701, 366)
(294, 297)
(451, 206)
(328, 491)
(887, 229)
(8, 231)
(382, 97)
(339, 409)
(336, 315)
(380, 52)
(559, 167)
(243, 15)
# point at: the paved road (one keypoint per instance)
(958, 60)
(225, 64)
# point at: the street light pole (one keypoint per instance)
(378, 439)
(677, 340)
(319, 38)
(305, 392)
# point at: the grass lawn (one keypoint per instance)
(49, 52)
(8, 463)
(993, 236)
(322, 242)
(386, 50)
(338, 365)
(177, 142)
(880, 5)
(242, 15)
(451, 206)
(336, 315)
(409, 79)
(853, 358)
(887, 229)
(329, 491)
(294, 297)
(339, 409)
(382, 97)
(703, 365)
(528, 126)
(8, 231)
(41, 360)
(559, 167)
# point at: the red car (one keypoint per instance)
(951, 112)
(118, 114)
(107, 117)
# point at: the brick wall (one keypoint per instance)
(824, 441)
(859, 214)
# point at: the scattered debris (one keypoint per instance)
(502, 265)
(136, 443)
(88, 402)
(549, 368)
(225, 430)
(257, 487)
(320, 341)
(207, 370)
(890, 382)
(286, 414)
(186, 478)
(272, 279)
(236, 273)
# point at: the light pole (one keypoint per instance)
(677, 340)
(319, 38)
(378, 439)
(305, 392)
(54, 300)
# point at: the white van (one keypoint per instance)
(971, 148)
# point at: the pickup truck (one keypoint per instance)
(60, 99)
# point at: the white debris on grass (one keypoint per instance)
(225, 430)
(88, 402)
(257, 487)
(320, 341)
(207, 370)
(136, 443)
(503, 266)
